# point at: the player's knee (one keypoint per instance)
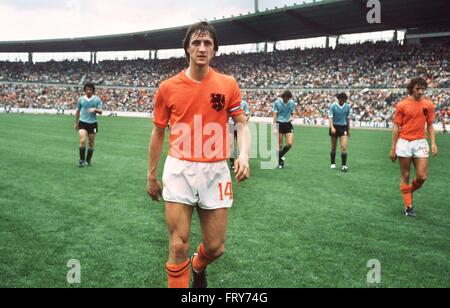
(406, 174)
(215, 251)
(179, 248)
(421, 178)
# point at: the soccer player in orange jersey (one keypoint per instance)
(197, 103)
(409, 143)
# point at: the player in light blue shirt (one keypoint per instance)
(88, 107)
(233, 130)
(284, 110)
(339, 117)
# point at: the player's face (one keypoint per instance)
(89, 92)
(418, 91)
(201, 49)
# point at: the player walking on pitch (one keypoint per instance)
(409, 143)
(86, 124)
(197, 103)
(339, 114)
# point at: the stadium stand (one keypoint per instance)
(372, 73)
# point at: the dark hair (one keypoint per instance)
(414, 82)
(286, 94)
(202, 27)
(342, 97)
(89, 85)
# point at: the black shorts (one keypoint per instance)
(90, 128)
(341, 130)
(286, 128)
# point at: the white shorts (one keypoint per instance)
(415, 149)
(207, 185)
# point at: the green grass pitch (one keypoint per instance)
(304, 226)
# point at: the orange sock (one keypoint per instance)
(407, 195)
(201, 260)
(416, 185)
(179, 275)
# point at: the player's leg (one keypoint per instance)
(421, 152)
(83, 138)
(214, 227)
(280, 141)
(90, 152)
(334, 140)
(178, 218)
(280, 147)
(344, 155)
(421, 166)
(289, 144)
(405, 187)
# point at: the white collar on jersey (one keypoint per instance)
(89, 99)
(341, 107)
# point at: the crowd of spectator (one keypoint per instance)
(367, 65)
(370, 105)
(374, 75)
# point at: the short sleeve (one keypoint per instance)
(161, 112)
(331, 111)
(99, 104)
(234, 107)
(275, 106)
(399, 113)
(431, 114)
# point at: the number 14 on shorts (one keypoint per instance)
(226, 191)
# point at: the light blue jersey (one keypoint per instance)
(244, 105)
(340, 114)
(84, 104)
(284, 111)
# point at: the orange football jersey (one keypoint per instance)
(198, 114)
(412, 116)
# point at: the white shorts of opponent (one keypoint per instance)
(413, 149)
(207, 185)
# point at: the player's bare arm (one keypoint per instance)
(154, 188)
(292, 118)
(77, 119)
(333, 129)
(242, 165)
(395, 133)
(275, 122)
(432, 134)
(95, 110)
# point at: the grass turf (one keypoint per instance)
(304, 226)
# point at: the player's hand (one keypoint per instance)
(154, 189)
(275, 129)
(434, 150)
(333, 131)
(242, 168)
(348, 133)
(393, 155)
(92, 110)
(76, 127)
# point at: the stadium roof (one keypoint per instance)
(322, 18)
